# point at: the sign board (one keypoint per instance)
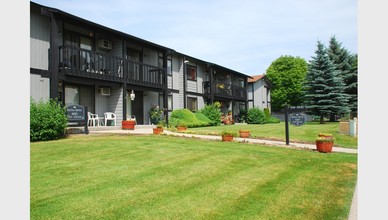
(75, 113)
(297, 119)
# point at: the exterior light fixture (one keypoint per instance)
(186, 61)
(132, 95)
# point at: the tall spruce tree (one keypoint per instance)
(324, 87)
(343, 61)
(351, 81)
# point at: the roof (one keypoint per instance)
(255, 78)
(170, 50)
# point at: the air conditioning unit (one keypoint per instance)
(104, 44)
(104, 91)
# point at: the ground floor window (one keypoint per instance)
(71, 95)
(192, 104)
(80, 95)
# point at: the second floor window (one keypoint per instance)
(191, 72)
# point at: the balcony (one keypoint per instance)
(225, 90)
(94, 65)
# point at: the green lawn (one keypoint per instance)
(164, 177)
(305, 134)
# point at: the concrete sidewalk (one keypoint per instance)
(261, 141)
(148, 130)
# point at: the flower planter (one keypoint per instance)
(324, 146)
(128, 125)
(245, 134)
(227, 138)
(157, 130)
(181, 128)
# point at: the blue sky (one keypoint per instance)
(246, 35)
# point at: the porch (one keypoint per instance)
(225, 90)
(74, 61)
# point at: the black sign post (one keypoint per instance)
(78, 113)
(286, 123)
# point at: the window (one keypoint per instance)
(71, 95)
(169, 103)
(192, 104)
(191, 72)
(169, 66)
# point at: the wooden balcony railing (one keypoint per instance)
(91, 64)
(225, 90)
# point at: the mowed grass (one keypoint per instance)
(305, 134)
(164, 177)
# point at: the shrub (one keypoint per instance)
(256, 116)
(272, 119)
(48, 120)
(187, 117)
(213, 112)
(266, 112)
(203, 118)
(242, 117)
(229, 133)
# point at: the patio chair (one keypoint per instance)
(133, 117)
(92, 119)
(110, 116)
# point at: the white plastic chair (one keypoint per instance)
(110, 116)
(133, 117)
(92, 119)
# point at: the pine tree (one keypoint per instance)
(324, 87)
(351, 81)
(344, 61)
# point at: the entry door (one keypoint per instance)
(137, 107)
(134, 67)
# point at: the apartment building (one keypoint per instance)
(80, 62)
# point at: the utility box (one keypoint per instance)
(353, 127)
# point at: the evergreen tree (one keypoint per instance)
(324, 87)
(344, 63)
(351, 81)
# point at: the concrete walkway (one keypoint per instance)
(148, 130)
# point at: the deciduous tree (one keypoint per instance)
(287, 75)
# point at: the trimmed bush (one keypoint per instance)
(48, 120)
(203, 118)
(266, 112)
(188, 118)
(256, 116)
(272, 119)
(213, 112)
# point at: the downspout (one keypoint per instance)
(125, 93)
(184, 82)
(54, 57)
(165, 79)
(212, 86)
(253, 94)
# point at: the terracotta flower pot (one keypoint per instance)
(324, 146)
(128, 125)
(157, 130)
(245, 134)
(181, 128)
(227, 138)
